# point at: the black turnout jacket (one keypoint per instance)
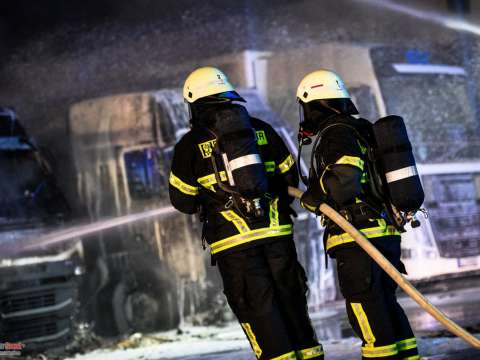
(193, 186)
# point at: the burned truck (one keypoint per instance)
(38, 284)
(147, 275)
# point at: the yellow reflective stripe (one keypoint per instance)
(288, 356)
(239, 223)
(206, 148)
(369, 233)
(261, 137)
(274, 213)
(182, 186)
(308, 207)
(362, 319)
(269, 166)
(414, 357)
(350, 160)
(252, 235)
(406, 344)
(363, 149)
(379, 351)
(286, 164)
(321, 179)
(364, 178)
(253, 340)
(310, 353)
(209, 180)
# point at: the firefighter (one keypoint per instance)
(263, 281)
(340, 179)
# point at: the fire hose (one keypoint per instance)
(393, 272)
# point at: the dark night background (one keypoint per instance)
(58, 53)
(55, 53)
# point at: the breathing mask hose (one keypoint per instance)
(302, 140)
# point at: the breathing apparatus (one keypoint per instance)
(210, 97)
(393, 178)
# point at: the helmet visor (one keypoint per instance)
(221, 98)
(230, 95)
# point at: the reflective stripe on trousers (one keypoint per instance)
(310, 353)
(288, 356)
(363, 323)
(379, 351)
(370, 350)
(407, 344)
(253, 340)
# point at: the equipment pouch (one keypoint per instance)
(354, 268)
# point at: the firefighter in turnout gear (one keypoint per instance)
(239, 188)
(338, 176)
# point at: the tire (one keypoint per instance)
(150, 306)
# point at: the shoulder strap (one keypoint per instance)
(319, 139)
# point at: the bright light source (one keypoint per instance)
(431, 16)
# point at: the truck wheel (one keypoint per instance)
(151, 306)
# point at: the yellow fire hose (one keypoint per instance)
(393, 272)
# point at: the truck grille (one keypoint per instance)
(32, 328)
(21, 302)
(460, 247)
(40, 317)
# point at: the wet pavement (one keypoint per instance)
(228, 342)
(435, 343)
(349, 349)
(462, 306)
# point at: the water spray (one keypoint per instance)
(78, 231)
(450, 22)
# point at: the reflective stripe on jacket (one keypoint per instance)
(193, 184)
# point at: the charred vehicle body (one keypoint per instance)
(38, 285)
(146, 275)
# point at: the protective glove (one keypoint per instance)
(313, 198)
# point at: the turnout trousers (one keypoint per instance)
(266, 289)
(371, 303)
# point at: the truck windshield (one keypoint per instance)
(147, 172)
(434, 100)
(27, 192)
(433, 95)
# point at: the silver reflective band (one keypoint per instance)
(228, 169)
(401, 174)
(245, 161)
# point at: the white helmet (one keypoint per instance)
(208, 81)
(324, 89)
(322, 84)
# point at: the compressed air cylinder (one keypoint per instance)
(238, 143)
(394, 152)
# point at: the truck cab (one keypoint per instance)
(38, 284)
(146, 275)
